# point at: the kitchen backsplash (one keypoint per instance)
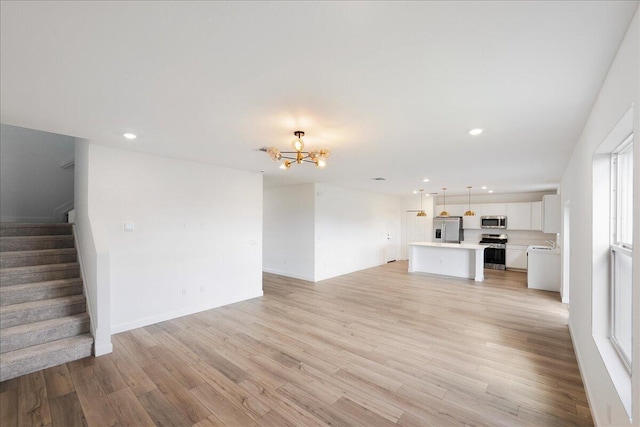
(516, 237)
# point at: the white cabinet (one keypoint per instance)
(518, 216)
(517, 257)
(551, 219)
(491, 209)
(536, 216)
(471, 222)
(544, 269)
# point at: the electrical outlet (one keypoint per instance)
(201, 226)
(201, 288)
(184, 292)
(183, 226)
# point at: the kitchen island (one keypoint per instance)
(449, 259)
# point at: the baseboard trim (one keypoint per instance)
(139, 323)
(100, 348)
(287, 274)
(592, 407)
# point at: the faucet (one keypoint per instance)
(552, 243)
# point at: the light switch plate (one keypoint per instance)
(129, 226)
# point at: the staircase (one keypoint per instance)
(43, 319)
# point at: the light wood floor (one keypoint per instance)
(378, 347)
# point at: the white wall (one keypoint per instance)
(93, 253)
(327, 231)
(33, 186)
(197, 242)
(620, 89)
(289, 231)
(351, 230)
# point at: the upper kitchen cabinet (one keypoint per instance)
(551, 218)
(471, 222)
(493, 209)
(536, 216)
(518, 216)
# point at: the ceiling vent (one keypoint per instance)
(379, 179)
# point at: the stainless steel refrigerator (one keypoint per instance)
(448, 229)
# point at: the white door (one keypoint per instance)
(391, 235)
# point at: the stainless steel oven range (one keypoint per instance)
(495, 253)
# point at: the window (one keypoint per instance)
(621, 249)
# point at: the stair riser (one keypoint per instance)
(16, 342)
(6, 262)
(12, 231)
(9, 296)
(22, 317)
(34, 244)
(43, 361)
(40, 276)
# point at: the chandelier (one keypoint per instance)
(469, 212)
(444, 196)
(421, 212)
(317, 157)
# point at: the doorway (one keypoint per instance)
(566, 252)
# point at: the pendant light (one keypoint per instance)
(444, 196)
(469, 212)
(421, 212)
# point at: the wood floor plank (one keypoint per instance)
(223, 408)
(33, 403)
(66, 411)
(182, 400)
(161, 411)
(9, 408)
(96, 406)
(107, 374)
(375, 347)
(129, 410)
(58, 381)
(254, 408)
(131, 372)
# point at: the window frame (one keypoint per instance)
(618, 248)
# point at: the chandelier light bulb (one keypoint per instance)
(321, 162)
(297, 144)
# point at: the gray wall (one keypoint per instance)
(33, 185)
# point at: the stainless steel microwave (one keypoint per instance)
(498, 221)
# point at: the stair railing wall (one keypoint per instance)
(93, 257)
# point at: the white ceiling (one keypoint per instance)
(392, 88)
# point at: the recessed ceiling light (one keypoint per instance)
(130, 136)
(484, 187)
(490, 191)
(476, 131)
(425, 180)
(415, 191)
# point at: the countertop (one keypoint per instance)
(473, 246)
(538, 250)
